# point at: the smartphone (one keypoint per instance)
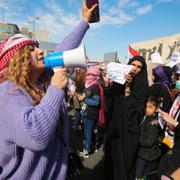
(95, 14)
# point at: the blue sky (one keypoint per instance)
(122, 21)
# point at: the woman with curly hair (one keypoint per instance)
(32, 106)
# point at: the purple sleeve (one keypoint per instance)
(35, 125)
(74, 38)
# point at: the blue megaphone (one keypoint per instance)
(72, 58)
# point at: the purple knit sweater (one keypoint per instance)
(28, 147)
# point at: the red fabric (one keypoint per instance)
(92, 78)
(133, 52)
(102, 117)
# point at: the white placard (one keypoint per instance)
(116, 71)
(175, 56)
(175, 59)
(156, 58)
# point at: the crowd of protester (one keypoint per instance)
(134, 140)
(137, 124)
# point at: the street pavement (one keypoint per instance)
(93, 165)
(93, 168)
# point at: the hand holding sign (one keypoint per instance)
(116, 72)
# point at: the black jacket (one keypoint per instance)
(92, 100)
(149, 139)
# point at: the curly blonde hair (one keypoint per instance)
(18, 72)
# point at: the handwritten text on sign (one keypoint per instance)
(116, 71)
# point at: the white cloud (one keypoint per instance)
(168, 1)
(111, 15)
(162, 1)
(133, 4)
(143, 10)
(71, 1)
(123, 3)
(114, 14)
(54, 8)
(4, 5)
(70, 20)
(118, 20)
(113, 11)
(10, 13)
(58, 21)
(128, 3)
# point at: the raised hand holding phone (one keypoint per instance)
(93, 7)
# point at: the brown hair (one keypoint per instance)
(18, 72)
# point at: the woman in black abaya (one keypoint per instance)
(123, 131)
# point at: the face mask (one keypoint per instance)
(178, 84)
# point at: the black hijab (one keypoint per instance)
(142, 75)
(139, 85)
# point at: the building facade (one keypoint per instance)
(165, 46)
(7, 30)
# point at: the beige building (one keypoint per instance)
(165, 46)
(7, 30)
(41, 35)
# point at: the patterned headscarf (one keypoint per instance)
(9, 47)
(92, 76)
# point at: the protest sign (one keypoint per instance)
(117, 71)
(156, 58)
(175, 59)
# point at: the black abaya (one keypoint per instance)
(123, 135)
